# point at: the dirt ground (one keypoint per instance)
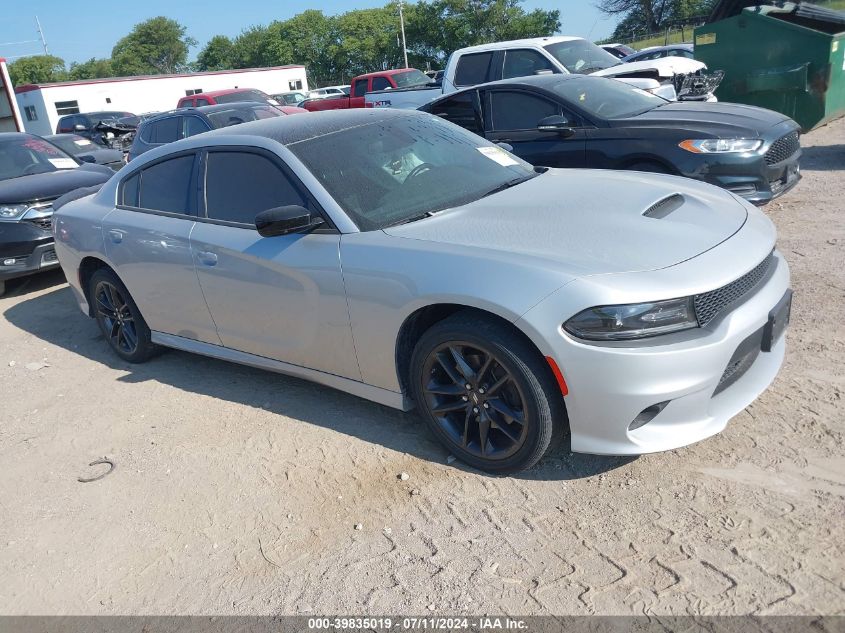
(238, 491)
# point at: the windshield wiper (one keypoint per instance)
(509, 184)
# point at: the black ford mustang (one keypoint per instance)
(33, 173)
(582, 121)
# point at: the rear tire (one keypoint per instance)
(119, 319)
(486, 393)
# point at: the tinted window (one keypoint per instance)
(581, 56)
(166, 186)
(194, 125)
(242, 95)
(381, 83)
(519, 110)
(202, 102)
(163, 131)
(360, 88)
(130, 191)
(524, 63)
(473, 69)
(227, 199)
(459, 110)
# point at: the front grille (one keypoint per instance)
(783, 148)
(708, 305)
(43, 223)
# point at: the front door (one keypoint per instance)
(512, 118)
(277, 297)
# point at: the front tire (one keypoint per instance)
(119, 319)
(486, 393)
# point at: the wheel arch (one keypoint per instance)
(87, 267)
(424, 317)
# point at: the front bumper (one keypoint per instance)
(25, 248)
(611, 384)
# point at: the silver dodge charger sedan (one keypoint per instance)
(398, 257)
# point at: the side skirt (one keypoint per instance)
(368, 392)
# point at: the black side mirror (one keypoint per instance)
(283, 220)
(87, 158)
(556, 123)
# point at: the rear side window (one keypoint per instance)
(165, 186)
(473, 69)
(202, 102)
(380, 83)
(194, 125)
(360, 88)
(227, 199)
(519, 110)
(163, 131)
(459, 110)
(129, 193)
(524, 62)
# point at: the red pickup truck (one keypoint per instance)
(383, 80)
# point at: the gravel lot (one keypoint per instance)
(238, 491)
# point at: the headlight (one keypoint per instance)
(721, 145)
(633, 320)
(12, 211)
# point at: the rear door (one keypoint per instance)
(147, 241)
(511, 116)
(278, 297)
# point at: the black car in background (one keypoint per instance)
(86, 125)
(184, 122)
(595, 122)
(33, 173)
(86, 150)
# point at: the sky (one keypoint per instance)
(77, 36)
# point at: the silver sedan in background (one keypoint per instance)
(398, 257)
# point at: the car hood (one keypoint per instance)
(591, 221)
(665, 67)
(50, 185)
(719, 119)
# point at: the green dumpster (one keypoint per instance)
(789, 58)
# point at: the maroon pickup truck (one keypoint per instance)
(383, 80)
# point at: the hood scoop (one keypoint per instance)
(664, 207)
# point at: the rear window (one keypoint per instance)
(242, 95)
(410, 79)
(473, 69)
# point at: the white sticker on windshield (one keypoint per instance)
(499, 155)
(82, 142)
(63, 163)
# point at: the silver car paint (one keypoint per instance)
(521, 277)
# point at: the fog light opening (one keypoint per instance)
(647, 415)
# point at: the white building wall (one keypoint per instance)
(145, 94)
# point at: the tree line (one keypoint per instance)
(335, 48)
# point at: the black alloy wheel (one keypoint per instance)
(486, 392)
(119, 319)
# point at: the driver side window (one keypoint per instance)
(227, 199)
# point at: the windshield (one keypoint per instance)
(27, 155)
(236, 116)
(73, 144)
(108, 116)
(411, 78)
(581, 56)
(399, 169)
(243, 95)
(606, 98)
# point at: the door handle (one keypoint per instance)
(207, 258)
(115, 236)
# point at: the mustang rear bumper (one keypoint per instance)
(610, 385)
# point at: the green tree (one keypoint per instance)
(37, 69)
(650, 16)
(217, 54)
(309, 38)
(92, 69)
(158, 45)
(368, 38)
(250, 48)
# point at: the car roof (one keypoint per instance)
(293, 129)
(530, 41)
(378, 73)
(220, 93)
(670, 47)
(206, 109)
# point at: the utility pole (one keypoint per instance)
(402, 24)
(41, 35)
